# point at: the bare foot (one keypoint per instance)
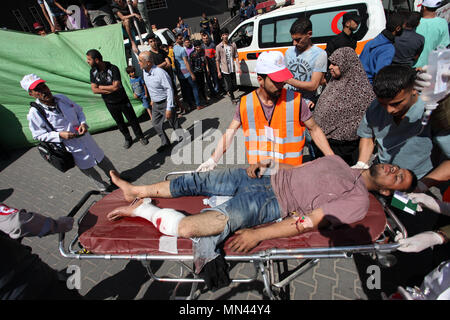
(127, 188)
(125, 211)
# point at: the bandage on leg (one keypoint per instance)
(165, 220)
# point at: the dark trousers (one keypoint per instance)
(117, 110)
(212, 80)
(230, 83)
(158, 117)
(347, 150)
(200, 80)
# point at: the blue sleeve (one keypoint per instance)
(443, 141)
(364, 129)
(384, 59)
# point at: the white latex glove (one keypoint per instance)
(360, 165)
(429, 202)
(208, 165)
(420, 242)
(422, 79)
(424, 200)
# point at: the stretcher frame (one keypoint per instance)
(270, 264)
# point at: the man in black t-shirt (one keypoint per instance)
(105, 80)
(162, 60)
(350, 23)
(409, 45)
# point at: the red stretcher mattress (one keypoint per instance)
(139, 236)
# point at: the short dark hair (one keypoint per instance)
(414, 182)
(430, 9)
(351, 16)
(394, 20)
(302, 26)
(94, 54)
(151, 35)
(392, 79)
(197, 43)
(223, 31)
(413, 19)
(130, 69)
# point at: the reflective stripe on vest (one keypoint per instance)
(288, 138)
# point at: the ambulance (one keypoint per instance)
(270, 31)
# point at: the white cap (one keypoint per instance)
(272, 64)
(432, 3)
(30, 81)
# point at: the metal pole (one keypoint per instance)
(135, 23)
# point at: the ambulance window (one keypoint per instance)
(281, 26)
(328, 22)
(267, 33)
(243, 36)
(274, 32)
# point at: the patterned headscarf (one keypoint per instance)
(342, 104)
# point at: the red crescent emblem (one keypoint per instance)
(5, 210)
(334, 26)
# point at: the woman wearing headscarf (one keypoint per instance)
(343, 102)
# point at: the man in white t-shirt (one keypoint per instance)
(308, 64)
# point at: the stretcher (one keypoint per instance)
(137, 239)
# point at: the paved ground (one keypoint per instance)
(26, 181)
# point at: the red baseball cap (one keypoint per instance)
(30, 81)
(272, 63)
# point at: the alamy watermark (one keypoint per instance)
(74, 280)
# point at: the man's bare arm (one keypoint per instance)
(247, 239)
(95, 89)
(226, 140)
(440, 174)
(318, 136)
(311, 85)
(111, 88)
(366, 146)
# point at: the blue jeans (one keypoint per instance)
(189, 87)
(253, 203)
(144, 100)
(308, 143)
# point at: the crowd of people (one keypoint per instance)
(362, 125)
(96, 13)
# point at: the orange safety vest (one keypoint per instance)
(286, 145)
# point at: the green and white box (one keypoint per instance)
(401, 201)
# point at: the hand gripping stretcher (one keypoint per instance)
(138, 239)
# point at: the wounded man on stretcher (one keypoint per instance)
(318, 194)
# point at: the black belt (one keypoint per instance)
(162, 101)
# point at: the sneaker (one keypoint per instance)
(103, 188)
(127, 144)
(201, 107)
(144, 141)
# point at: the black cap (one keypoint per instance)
(351, 16)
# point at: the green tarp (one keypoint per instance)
(60, 59)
